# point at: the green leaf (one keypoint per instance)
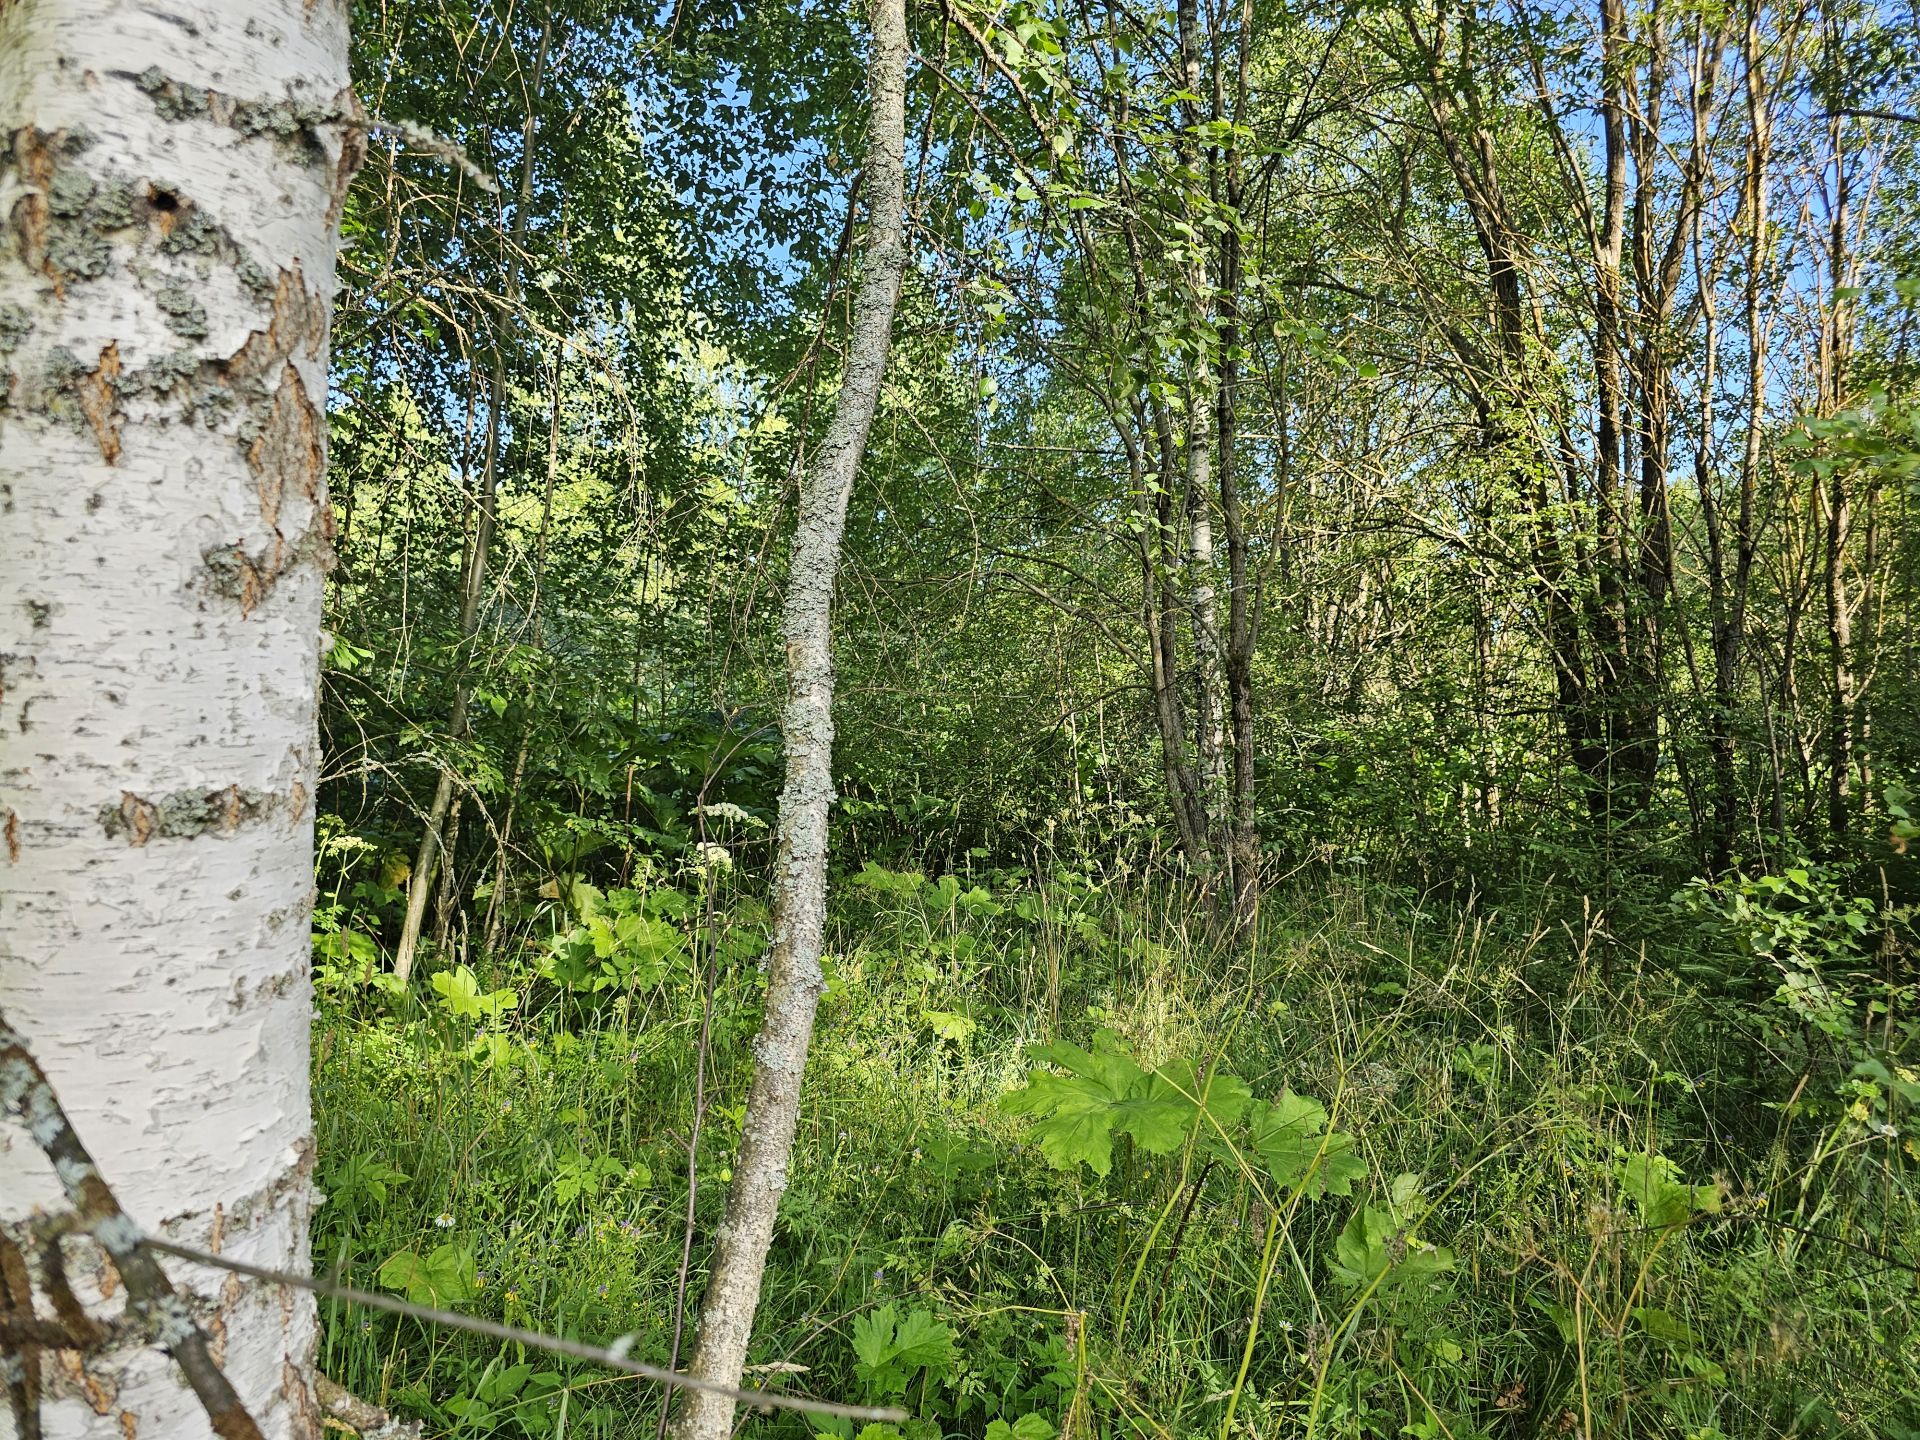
(1027, 1427)
(892, 1348)
(460, 993)
(948, 1025)
(1078, 1120)
(445, 1277)
(922, 1341)
(1663, 1326)
(1078, 1111)
(1652, 1183)
(1292, 1140)
(873, 1335)
(1167, 1107)
(1378, 1243)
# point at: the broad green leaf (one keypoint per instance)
(921, 1341)
(1078, 1120)
(1652, 1183)
(1379, 1243)
(1291, 1138)
(445, 1277)
(873, 1335)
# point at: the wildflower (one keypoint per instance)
(443, 1221)
(709, 856)
(601, 1292)
(727, 810)
(505, 1106)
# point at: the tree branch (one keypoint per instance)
(26, 1094)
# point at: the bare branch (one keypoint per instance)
(614, 1356)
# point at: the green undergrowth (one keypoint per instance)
(1071, 1164)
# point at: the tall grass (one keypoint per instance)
(1666, 1215)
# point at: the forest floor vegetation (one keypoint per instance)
(1071, 1164)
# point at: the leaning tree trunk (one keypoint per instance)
(172, 182)
(800, 872)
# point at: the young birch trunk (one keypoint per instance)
(1209, 736)
(1243, 617)
(434, 842)
(1835, 352)
(171, 186)
(800, 873)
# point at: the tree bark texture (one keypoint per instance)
(170, 190)
(800, 878)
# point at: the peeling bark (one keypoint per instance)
(169, 184)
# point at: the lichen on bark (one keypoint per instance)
(184, 814)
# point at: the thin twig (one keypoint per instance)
(614, 1356)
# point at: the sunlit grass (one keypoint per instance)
(1505, 1063)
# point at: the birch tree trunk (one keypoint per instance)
(171, 188)
(1243, 592)
(1209, 737)
(800, 872)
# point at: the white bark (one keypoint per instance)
(170, 191)
(800, 871)
(1207, 729)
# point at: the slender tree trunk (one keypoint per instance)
(1197, 494)
(1197, 501)
(1841, 692)
(174, 192)
(1243, 839)
(496, 902)
(1156, 617)
(1835, 346)
(1613, 668)
(1729, 589)
(1158, 546)
(473, 586)
(800, 873)
(1560, 574)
